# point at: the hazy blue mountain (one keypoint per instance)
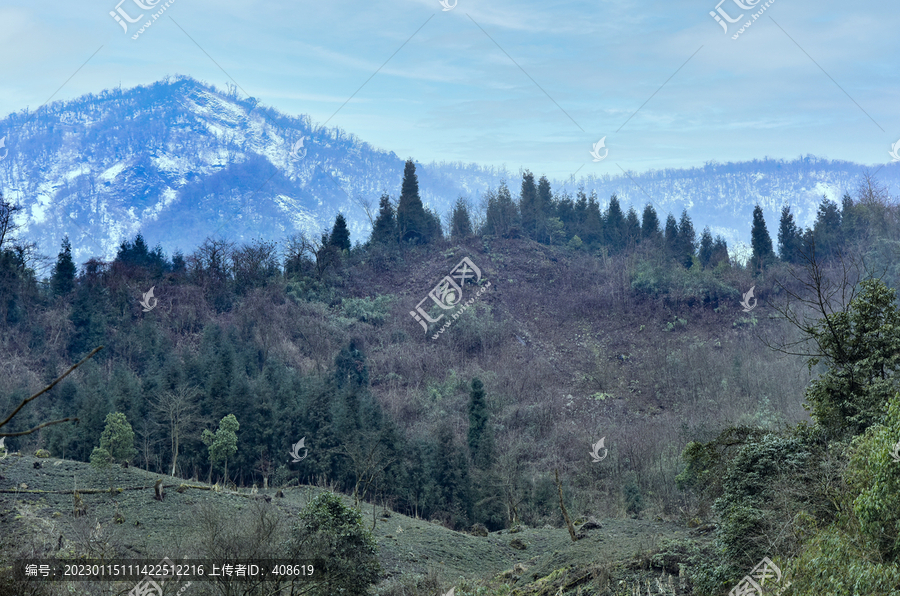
(180, 160)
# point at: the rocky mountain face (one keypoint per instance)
(179, 160)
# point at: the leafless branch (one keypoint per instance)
(41, 392)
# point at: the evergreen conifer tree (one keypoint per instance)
(592, 226)
(528, 204)
(480, 437)
(650, 224)
(134, 253)
(62, 280)
(564, 209)
(760, 241)
(340, 234)
(544, 210)
(719, 252)
(632, 228)
(789, 237)
(706, 248)
(178, 264)
(385, 229)
(433, 231)
(502, 214)
(351, 380)
(827, 232)
(581, 215)
(451, 485)
(614, 225)
(460, 221)
(687, 240)
(852, 219)
(671, 237)
(412, 222)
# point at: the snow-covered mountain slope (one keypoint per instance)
(180, 160)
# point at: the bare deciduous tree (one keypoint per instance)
(254, 264)
(369, 463)
(366, 205)
(8, 225)
(304, 254)
(180, 411)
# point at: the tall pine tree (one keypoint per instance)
(650, 225)
(706, 248)
(502, 214)
(614, 225)
(789, 237)
(544, 210)
(719, 252)
(480, 437)
(62, 281)
(632, 228)
(412, 221)
(671, 237)
(687, 240)
(528, 204)
(340, 234)
(385, 229)
(760, 241)
(592, 226)
(827, 233)
(460, 221)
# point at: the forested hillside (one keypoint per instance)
(179, 160)
(761, 398)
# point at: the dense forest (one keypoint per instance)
(775, 422)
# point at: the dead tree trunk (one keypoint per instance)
(564, 512)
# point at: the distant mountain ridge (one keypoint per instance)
(180, 160)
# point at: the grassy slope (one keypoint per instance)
(34, 516)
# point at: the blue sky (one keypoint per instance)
(524, 84)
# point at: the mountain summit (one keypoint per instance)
(179, 160)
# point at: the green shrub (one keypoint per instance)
(476, 329)
(100, 458)
(833, 563)
(634, 500)
(331, 537)
(368, 310)
(118, 437)
(875, 477)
